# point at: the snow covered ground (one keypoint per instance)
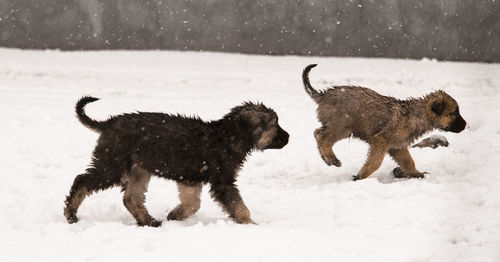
(305, 210)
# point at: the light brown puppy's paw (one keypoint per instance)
(331, 161)
(155, 223)
(399, 173)
(245, 221)
(151, 223)
(433, 142)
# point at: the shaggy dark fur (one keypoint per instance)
(132, 147)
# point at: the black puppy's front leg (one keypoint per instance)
(228, 196)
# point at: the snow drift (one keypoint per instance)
(305, 210)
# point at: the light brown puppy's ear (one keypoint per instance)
(438, 106)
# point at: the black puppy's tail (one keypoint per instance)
(307, 85)
(90, 123)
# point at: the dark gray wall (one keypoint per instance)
(466, 30)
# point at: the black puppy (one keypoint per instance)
(132, 147)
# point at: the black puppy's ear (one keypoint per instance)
(251, 117)
(438, 107)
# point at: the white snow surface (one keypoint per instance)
(305, 210)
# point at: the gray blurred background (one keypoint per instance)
(465, 30)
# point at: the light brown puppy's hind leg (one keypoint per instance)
(326, 137)
(190, 202)
(375, 157)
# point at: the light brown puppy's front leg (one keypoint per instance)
(405, 161)
(375, 156)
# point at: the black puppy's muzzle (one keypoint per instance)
(457, 126)
(280, 140)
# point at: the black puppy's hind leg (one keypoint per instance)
(84, 185)
(133, 199)
(189, 195)
(228, 196)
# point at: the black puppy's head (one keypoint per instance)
(262, 122)
(445, 113)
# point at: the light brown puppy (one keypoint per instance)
(387, 124)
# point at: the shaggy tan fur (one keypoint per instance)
(387, 124)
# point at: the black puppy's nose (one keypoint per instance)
(280, 140)
(284, 136)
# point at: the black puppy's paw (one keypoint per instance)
(173, 216)
(70, 215)
(72, 219)
(176, 213)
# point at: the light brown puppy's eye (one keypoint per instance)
(455, 113)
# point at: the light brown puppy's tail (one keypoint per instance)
(307, 85)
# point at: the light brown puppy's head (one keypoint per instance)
(443, 112)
